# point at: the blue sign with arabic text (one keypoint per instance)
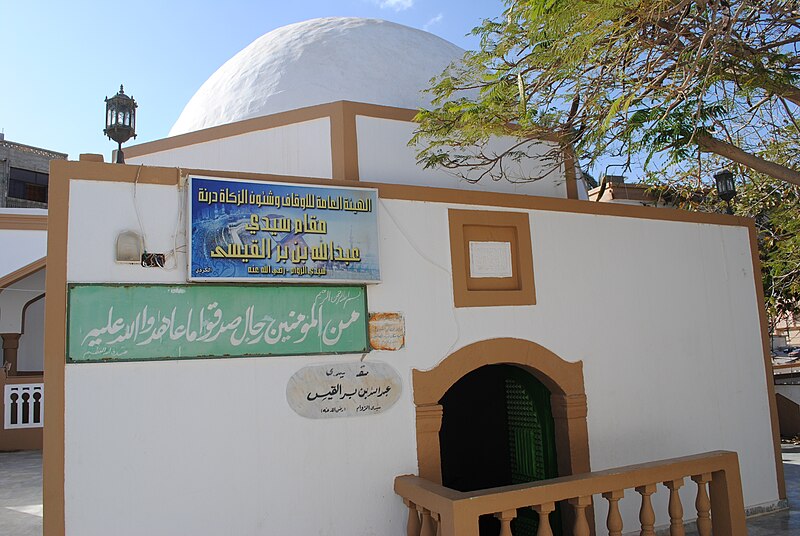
(266, 231)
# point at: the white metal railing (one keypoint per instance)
(24, 405)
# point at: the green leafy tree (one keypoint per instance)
(621, 78)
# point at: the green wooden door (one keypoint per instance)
(531, 440)
(497, 430)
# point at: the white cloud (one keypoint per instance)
(397, 5)
(435, 20)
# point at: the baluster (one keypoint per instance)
(427, 524)
(647, 517)
(505, 518)
(438, 520)
(413, 528)
(675, 507)
(26, 408)
(703, 505)
(614, 519)
(581, 527)
(15, 408)
(544, 518)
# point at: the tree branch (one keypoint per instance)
(710, 144)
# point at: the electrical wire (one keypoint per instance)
(431, 262)
(136, 207)
(178, 220)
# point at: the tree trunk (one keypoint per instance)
(756, 163)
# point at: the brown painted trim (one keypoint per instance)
(471, 197)
(55, 340)
(169, 176)
(25, 309)
(380, 111)
(562, 378)
(559, 376)
(350, 138)
(281, 119)
(338, 171)
(22, 273)
(513, 227)
(788, 415)
(343, 134)
(765, 347)
(344, 142)
(10, 348)
(458, 511)
(342, 109)
(11, 344)
(23, 222)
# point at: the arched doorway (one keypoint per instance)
(563, 379)
(497, 429)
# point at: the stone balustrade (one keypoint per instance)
(434, 510)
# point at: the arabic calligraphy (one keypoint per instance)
(248, 229)
(387, 331)
(296, 253)
(153, 321)
(343, 390)
(245, 196)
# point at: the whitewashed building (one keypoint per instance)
(23, 238)
(526, 333)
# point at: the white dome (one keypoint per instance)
(316, 62)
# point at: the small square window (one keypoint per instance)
(27, 184)
(491, 258)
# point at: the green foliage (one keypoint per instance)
(619, 78)
(774, 205)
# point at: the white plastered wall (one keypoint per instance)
(671, 350)
(300, 149)
(384, 156)
(20, 248)
(12, 304)
(30, 355)
(15, 296)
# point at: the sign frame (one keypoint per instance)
(69, 319)
(192, 278)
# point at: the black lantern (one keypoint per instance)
(120, 120)
(726, 187)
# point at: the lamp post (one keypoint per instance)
(120, 120)
(726, 187)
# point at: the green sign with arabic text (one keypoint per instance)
(150, 322)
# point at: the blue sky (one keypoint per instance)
(62, 58)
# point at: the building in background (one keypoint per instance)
(23, 239)
(24, 173)
(24, 184)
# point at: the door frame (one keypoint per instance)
(562, 378)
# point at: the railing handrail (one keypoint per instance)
(567, 487)
(722, 468)
(17, 380)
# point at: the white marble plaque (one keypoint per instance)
(343, 390)
(490, 259)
